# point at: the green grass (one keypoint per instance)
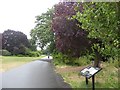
(8, 62)
(106, 78)
(10, 59)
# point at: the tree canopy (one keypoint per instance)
(101, 21)
(69, 38)
(14, 41)
(42, 34)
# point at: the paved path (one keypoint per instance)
(36, 74)
(46, 58)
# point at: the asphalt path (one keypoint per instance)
(36, 74)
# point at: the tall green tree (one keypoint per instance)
(101, 20)
(42, 34)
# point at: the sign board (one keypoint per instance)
(89, 71)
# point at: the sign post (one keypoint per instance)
(89, 72)
(93, 82)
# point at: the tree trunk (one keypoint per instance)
(97, 59)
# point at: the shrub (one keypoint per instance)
(30, 53)
(6, 53)
(33, 54)
(40, 52)
(20, 55)
(82, 61)
(59, 58)
(37, 54)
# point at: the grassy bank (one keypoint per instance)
(8, 62)
(106, 78)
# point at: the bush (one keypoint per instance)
(39, 52)
(6, 53)
(20, 55)
(33, 54)
(59, 58)
(30, 53)
(82, 61)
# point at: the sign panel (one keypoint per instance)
(89, 71)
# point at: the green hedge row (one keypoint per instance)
(5, 53)
(61, 59)
(28, 53)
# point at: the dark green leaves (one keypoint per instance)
(101, 20)
(42, 34)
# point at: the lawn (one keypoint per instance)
(8, 62)
(106, 78)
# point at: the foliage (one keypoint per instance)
(60, 59)
(33, 46)
(5, 53)
(30, 53)
(81, 61)
(19, 50)
(33, 54)
(69, 38)
(101, 20)
(42, 34)
(14, 41)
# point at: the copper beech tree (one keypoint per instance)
(70, 39)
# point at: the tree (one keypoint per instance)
(70, 39)
(42, 34)
(101, 20)
(33, 46)
(14, 41)
(0, 43)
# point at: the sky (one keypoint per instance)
(19, 15)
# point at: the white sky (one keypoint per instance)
(19, 15)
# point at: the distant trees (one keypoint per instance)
(69, 37)
(15, 42)
(42, 34)
(0, 43)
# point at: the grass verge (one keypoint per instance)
(106, 78)
(8, 62)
